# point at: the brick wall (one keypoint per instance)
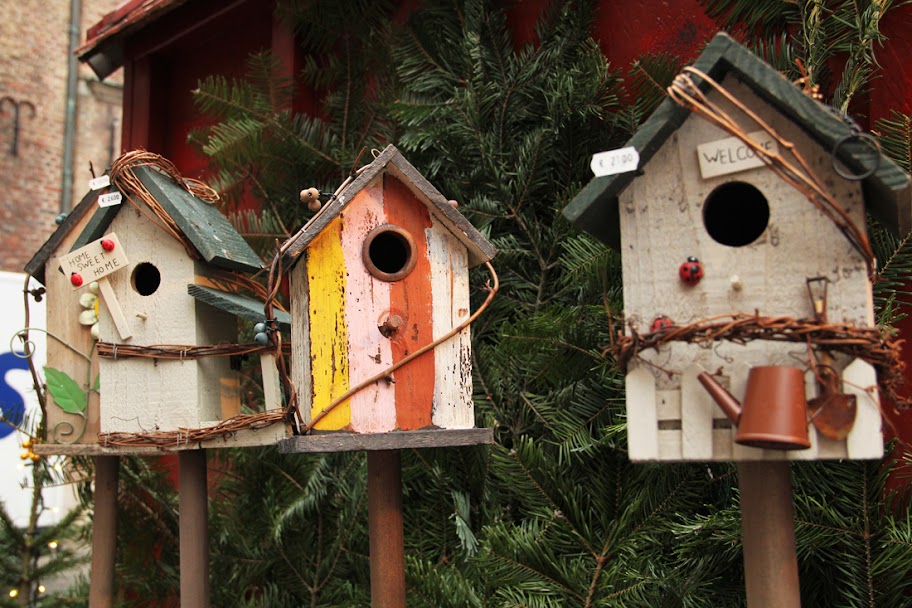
(34, 39)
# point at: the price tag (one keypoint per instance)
(110, 199)
(613, 162)
(102, 181)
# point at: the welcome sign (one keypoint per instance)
(732, 154)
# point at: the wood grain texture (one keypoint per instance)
(413, 296)
(138, 394)
(697, 409)
(272, 387)
(866, 438)
(396, 440)
(453, 407)
(595, 209)
(661, 219)
(63, 308)
(391, 161)
(367, 302)
(642, 425)
(237, 304)
(203, 224)
(301, 377)
(327, 281)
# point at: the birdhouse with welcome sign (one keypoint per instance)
(381, 351)
(151, 274)
(739, 210)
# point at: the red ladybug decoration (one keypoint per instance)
(661, 322)
(76, 279)
(107, 245)
(691, 271)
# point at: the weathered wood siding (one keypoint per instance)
(140, 394)
(662, 224)
(339, 344)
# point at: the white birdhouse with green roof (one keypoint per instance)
(159, 280)
(738, 255)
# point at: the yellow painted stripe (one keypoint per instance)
(328, 329)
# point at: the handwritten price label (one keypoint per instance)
(110, 199)
(102, 181)
(613, 162)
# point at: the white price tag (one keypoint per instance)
(613, 162)
(102, 181)
(110, 199)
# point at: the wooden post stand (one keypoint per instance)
(104, 532)
(194, 530)
(384, 515)
(768, 530)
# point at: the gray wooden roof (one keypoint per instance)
(211, 234)
(480, 250)
(36, 265)
(237, 304)
(886, 191)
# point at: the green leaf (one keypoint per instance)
(67, 394)
(97, 385)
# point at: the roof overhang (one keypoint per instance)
(886, 190)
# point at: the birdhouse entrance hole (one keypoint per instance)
(146, 279)
(389, 253)
(735, 214)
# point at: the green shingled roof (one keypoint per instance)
(216, 240)
(886, 191)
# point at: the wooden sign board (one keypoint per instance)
(94, 261)
(732, 155)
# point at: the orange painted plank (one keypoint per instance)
(413, 296)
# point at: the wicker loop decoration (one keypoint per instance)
(790, 165)
(869, 344)
(125, 180)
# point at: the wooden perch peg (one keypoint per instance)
(117, 314)
(311, 196)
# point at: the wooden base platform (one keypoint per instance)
(396, 440)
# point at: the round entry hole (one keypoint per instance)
(389, 253)
(735, 214)
(146, 279)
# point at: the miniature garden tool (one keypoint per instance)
(774, 414)
(832, 411)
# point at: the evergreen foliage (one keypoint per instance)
(553, 515)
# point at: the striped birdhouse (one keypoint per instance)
(380, 272)
(728, 268)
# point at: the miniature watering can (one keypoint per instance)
(774, 413)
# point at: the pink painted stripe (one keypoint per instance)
(373, 410)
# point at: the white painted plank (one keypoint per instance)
(697, 408)
(642, 425)
(865, 439)
(670, 445)
(668, 405)
(453, 407)
(113, 306)
(272, 387)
